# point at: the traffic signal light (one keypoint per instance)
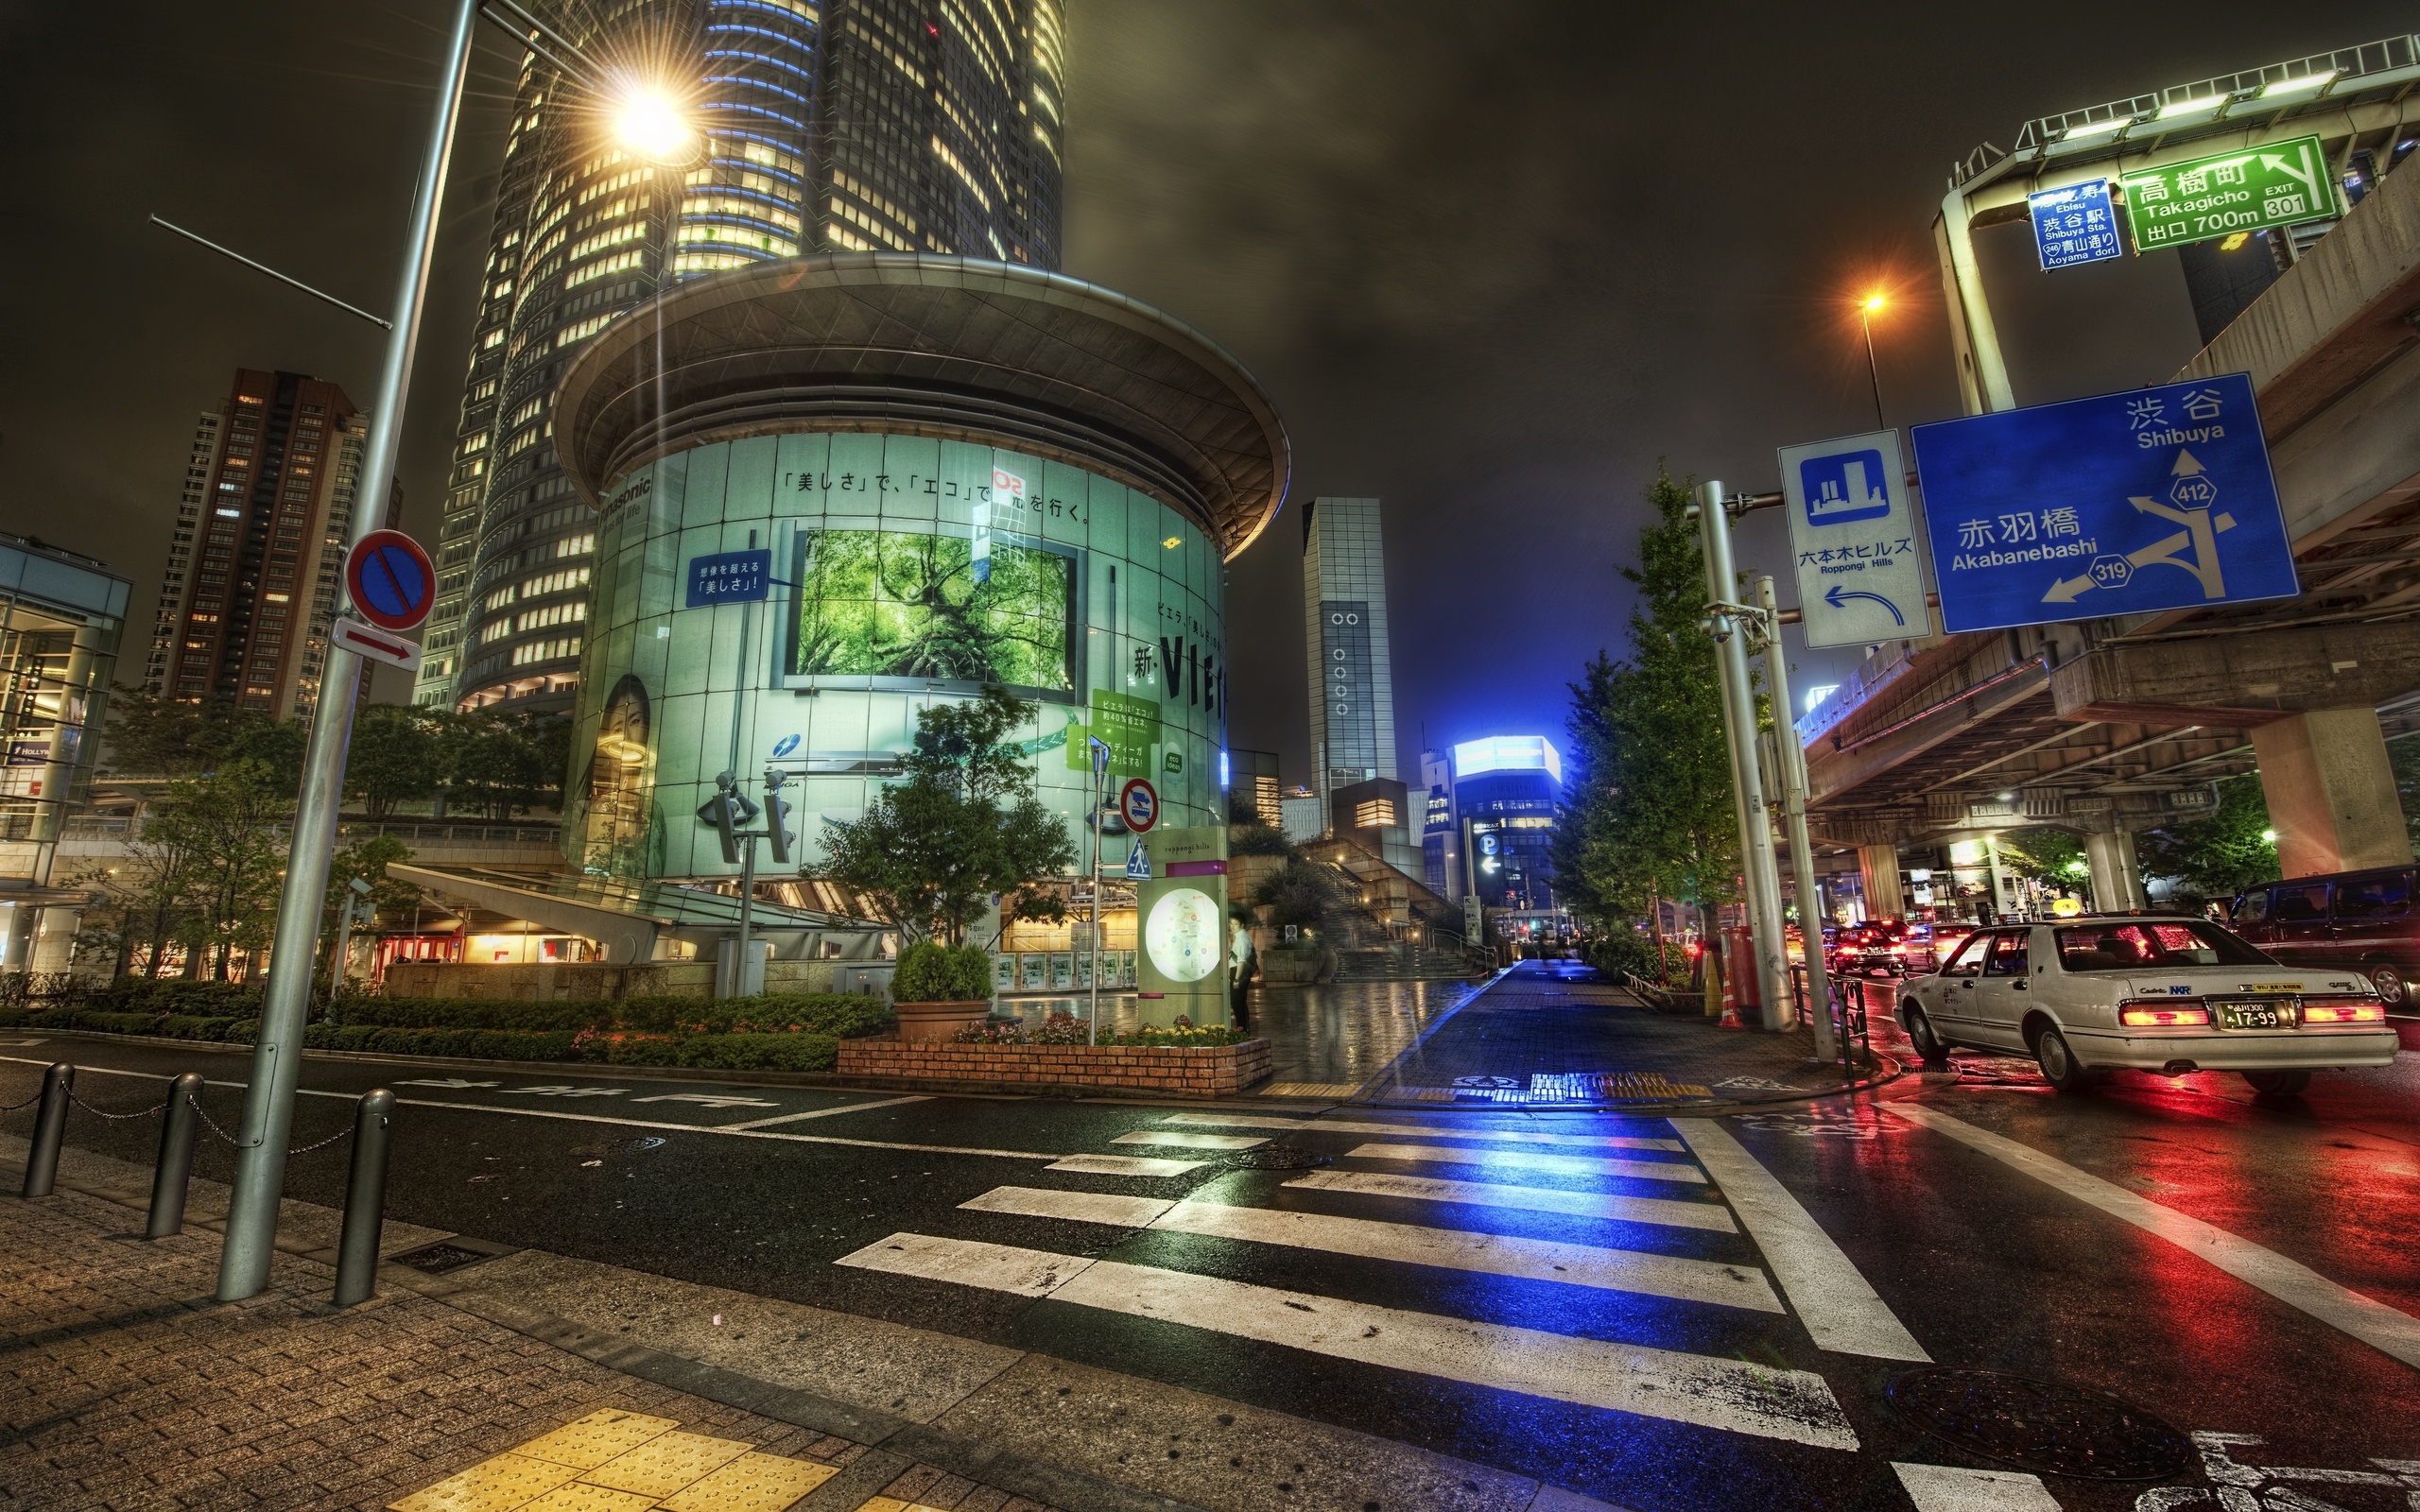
(728, 812)
(777, 817)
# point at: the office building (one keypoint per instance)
(60, 618)
(256, 559)
(1441, 838)
(1508, 794)
(1251, 783)
(1351, 675)
(857, 126)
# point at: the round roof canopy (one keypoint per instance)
(950, 346)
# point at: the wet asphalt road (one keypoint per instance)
(1969, 1259)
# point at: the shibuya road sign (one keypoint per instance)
(2247, 191)
(2122, 504)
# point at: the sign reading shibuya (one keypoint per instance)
(2247, 191)
(2122, 504)
(2074, 225)
(1854, 538)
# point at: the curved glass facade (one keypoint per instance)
(905, 569)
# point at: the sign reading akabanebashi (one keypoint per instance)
(2245, 191)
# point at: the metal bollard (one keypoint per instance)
(174, 1174)
(365, 1200)
(50, 1129)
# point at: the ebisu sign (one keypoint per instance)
(2247, 191)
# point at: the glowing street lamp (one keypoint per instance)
(1867, 308)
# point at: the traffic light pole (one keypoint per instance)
(1793, 814)
(277, 1052)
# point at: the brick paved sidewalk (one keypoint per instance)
(123, 1385)
(1571, 1039)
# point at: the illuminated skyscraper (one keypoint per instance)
(855, 125)
(250, 584)
(1352, 674)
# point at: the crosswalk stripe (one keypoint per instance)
(1124, 1165)
(1669, 1211)
(1528, 1160)
(1622, 1270)
(2383, 1328)
(1179, 1140)
(1349, 1126)
(1840, 1307)
(1951, 1489)
(1729, 1395)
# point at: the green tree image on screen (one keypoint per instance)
(885, 604)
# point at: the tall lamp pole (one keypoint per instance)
(1865, 310)
(277, 1054)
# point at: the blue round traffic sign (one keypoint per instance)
(1138, 803)
(390, 580)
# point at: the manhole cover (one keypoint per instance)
(1278, 1158)
(437, 1259)
(2039, 1425)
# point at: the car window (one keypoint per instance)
(2299, 905)
(2254, 908)
(1970, 958)
(2008, 953)
(2387, 897)
(2115, 946)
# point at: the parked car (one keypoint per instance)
(1869, 950)
(2357, 919)
(2162, 994)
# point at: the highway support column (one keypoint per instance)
(1877, 874)
(2117, 876)
(2331, 792)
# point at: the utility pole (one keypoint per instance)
(277, 1052)
(1793, 814)
(1727, 621)
(1100, 800)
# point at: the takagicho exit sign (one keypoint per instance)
(2247, 191)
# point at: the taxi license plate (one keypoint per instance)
(2248, 1016)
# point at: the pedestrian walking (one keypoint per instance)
(1238, 974)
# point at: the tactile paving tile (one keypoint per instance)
(596, 1438)
(579, 1498)
(751, 1483)
(666, 1463)
(499, 1484)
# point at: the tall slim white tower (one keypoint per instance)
(1350, 673)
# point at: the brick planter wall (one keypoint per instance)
(1139, 1069)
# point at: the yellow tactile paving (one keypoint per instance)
(666, 1463)
(751, 1483)
(579, 1498)
(596, 1438)
(499, 1484)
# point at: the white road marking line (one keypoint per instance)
(1669, 1211)
(1709, 1392)
(1190, 1142)
(1527, 1160)
(1617, 1270)
(1124, 1165)
(1833, 1299)
(993, 1267)
(726, 1133)
(2388, 1330)
(1347, 1125)
(825, 1112)
(1949, 1489)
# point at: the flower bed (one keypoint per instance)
(1142, 1070)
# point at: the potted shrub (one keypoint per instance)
(939, 989)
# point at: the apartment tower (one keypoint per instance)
(1352, 677)
(849, 126)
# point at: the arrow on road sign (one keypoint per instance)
(2200, 533)
(1837, 597)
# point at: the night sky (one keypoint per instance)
(1492, 263)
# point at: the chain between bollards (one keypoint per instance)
(173, 1177)
(50, 1129)
(365, 1199)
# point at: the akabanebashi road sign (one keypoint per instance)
(2122, 504)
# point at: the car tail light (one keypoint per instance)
(2343, 1012)
(2158, 1013)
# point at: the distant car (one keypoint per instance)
(2359, 919)
(1869, 950)
(1946, 936)
(2159, 994)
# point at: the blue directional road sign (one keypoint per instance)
(2075, 225)
(2122, 504)
(1854, 540)
(729, 577)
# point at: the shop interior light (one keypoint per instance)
(2299, 86)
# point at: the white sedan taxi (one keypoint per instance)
(2166, 995)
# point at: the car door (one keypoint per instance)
(2004, 990)
(1950, 996)
(2298, 927)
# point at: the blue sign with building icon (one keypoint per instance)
(2075, 225)
(2122, 504)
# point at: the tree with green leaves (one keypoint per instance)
(2220, 854)
(229, 826)
(397, 754)
(501, 761)
(963, 825)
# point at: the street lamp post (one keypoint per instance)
(1865, 322)
(277, 1052)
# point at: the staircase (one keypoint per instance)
(1401, 963)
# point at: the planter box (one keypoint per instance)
(1141, 1071)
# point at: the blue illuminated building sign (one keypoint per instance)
(2074, 225)
(1507, 754)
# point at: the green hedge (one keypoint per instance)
(801, 1051)
(469, 1044)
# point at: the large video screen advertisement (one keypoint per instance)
(894, 606)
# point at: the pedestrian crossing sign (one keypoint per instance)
(1138, 866)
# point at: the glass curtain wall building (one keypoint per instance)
(1352, 673)
(853, 124)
